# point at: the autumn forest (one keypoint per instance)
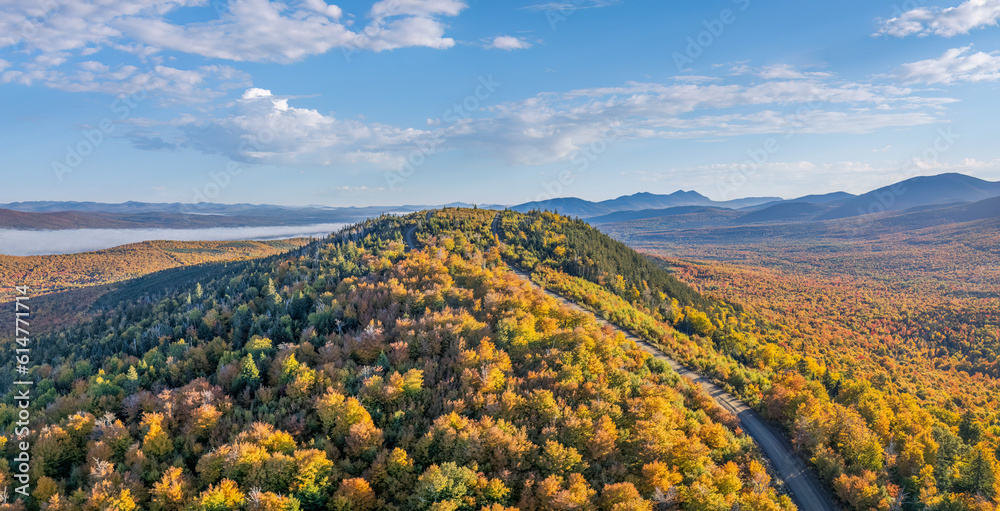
(400, 364)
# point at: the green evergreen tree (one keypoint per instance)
(980, 477)
(969, 429)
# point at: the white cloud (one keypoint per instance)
(262, 30)
(263, 128)
(248, 30)
(948, 22)
(256, 93)
(62, 26)
(426, 8)
(955, 65)
(555, 127)
(965, 166)
(170, 85)
(550, 127)
(506, 42)
(53, 35)
(696, 78)
(93, 66)
(777, 72)
(570, 6)
(788, 72)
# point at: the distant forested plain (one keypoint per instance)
(907, 304)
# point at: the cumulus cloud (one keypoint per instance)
(506, 42)
(247, 30)
(955, 65)
(262, 30)
(50, 27)
(57, 35)
(264, 128)
(551, 127)
(952, 21)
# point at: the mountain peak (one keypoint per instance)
(918, 191)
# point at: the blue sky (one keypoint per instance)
(433, 101)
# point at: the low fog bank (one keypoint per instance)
(24, 242)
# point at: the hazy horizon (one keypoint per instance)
(23, 242)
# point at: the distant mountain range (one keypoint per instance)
(950, 205)
(971, 222)
(917, 192)
(681, 208)
(638, 202)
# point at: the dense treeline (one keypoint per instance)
(355, 375)
(851, 408)
(571, 246)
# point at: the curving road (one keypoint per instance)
(411, 242)
(409, 235)
(808, 493)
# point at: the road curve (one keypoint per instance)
(411, 242)
(409, 236)
(806, 490)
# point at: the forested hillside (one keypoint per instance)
(357, 375)
(883, 425)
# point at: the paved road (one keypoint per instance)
(408, 236)
(411, 242)
(807, 491)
